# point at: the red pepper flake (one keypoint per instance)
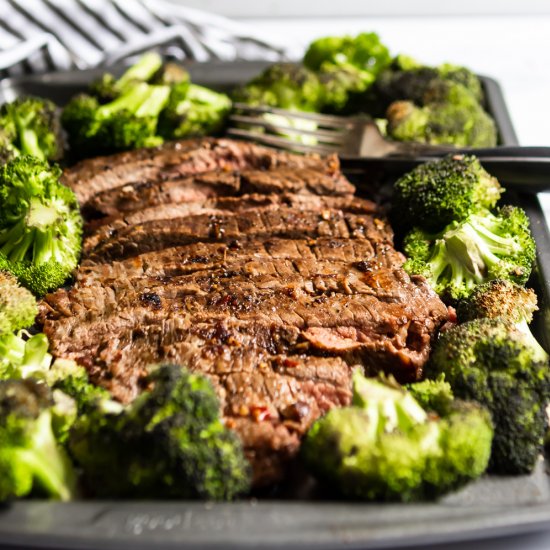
(260, 413)
(290, 363)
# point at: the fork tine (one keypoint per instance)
(281, 142)
(333, 137)
(324, 120)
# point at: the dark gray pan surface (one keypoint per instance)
(484, 512)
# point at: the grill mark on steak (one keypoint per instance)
(183, 158)
(282, 222)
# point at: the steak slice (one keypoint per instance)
(101, 230)
(281, 222)
(199, 187)
(184, 158)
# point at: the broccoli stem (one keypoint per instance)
(142, 70)
(47, 461)
(142, 100)
(538, 351)
(29, 143)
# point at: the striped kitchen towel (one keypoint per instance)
(47, 35)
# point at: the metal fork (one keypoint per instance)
(356, 136)
(360, 145)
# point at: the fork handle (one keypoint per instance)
(525, 169)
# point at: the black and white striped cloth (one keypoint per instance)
(48, 35)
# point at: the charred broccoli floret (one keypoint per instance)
(363, 55)
(169, 443)
(388, 447)
(490, 361)
(18, 307)
(30, 126)
(454, 119)
(31, 462)
(479, 249)
(195, 111)
(40, 224)
(283, 85)
(437, 193)
(501, 298)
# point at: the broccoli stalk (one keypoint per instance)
(30, 459)
(501, 298)
(482, 247)
(389, 447)
(40, 224)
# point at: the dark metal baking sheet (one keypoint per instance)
(490, 514)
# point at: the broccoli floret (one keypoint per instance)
(24, 356)
(31, 126)
(283, 85)
(193, 111)
(464, 124)
(72, 379)
(501, 298)
(342, 90)
(363, 54)
(479, 249)
(31, 462)
(108, 87)
(130, 120)
(437, 193)
(169, 443)
(463, 76)
(432, 395)
(493, 363)
(18, 307)
(40, 224)
(387, 447)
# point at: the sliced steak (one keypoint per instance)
(281, 222)
(99, 231)
(185, 158)
(199, 187)
(257, 268)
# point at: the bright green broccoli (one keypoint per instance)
(30, 126)
(479, 249)
(283, 85)
(40, 224)
(492, 362)
(437, 193)
(24, 356)
(363, 54)
(501, 298)
(31, 462)
(193, 111)
(108, 87)
(169, 443)
(129, 121)
(432, 395)
(388, 447)
(18, 307)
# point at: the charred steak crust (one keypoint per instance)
(258, 268)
